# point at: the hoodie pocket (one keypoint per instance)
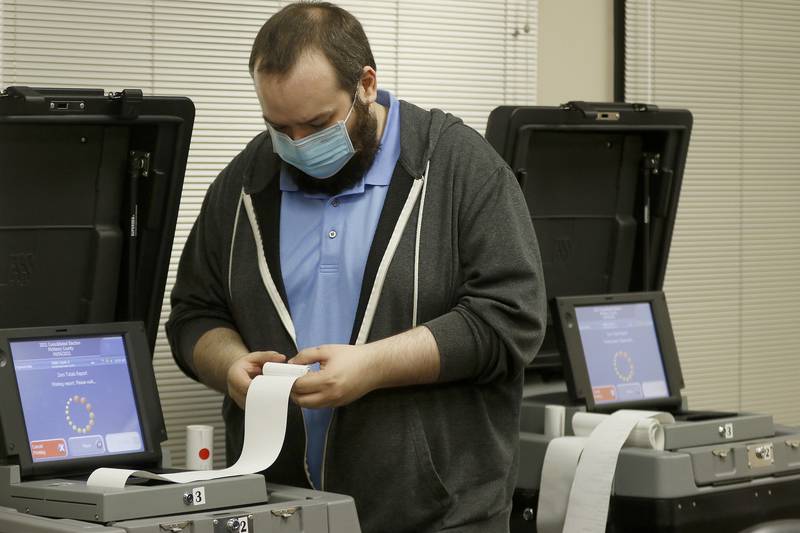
(433, 481)
(378, 454)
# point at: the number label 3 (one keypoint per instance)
(199, 496)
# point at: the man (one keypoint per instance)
(390, 246)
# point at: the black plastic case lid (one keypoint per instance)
(90, 187)
(602, 182)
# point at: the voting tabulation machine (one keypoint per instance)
(90, 193)
(602, 183)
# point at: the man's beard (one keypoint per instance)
(365, 141)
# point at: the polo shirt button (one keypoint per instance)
(332, 234)
(335, 202)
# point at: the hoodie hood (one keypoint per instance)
(416, 150)
(263, 164)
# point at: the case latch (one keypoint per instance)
(131, 101)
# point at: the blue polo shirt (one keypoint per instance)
(324, 243)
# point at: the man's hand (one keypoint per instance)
(242, 372)
(346, 374)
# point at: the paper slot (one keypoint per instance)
(267, 399)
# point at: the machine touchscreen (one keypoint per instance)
(620, 351)
(620, 346)
(77, 398)
(74, 398)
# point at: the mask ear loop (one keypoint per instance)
(353, 105)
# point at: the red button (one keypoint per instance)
(204, 453)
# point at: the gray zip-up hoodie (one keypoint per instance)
(416, 459)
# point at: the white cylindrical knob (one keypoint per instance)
(199, 447)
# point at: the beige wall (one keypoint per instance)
(576, 51)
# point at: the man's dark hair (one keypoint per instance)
(303, 26)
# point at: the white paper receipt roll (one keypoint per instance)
(267, 402)
(199, 447)
(578, 472)
(647, 433)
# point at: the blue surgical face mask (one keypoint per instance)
(321, 154)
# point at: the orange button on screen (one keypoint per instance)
(604, 394)
(47, 449)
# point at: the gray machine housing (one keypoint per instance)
(697, 457)
(241, 504)
(702, 481)
(702, 448)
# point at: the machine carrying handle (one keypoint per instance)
(26, 93)
(38, 94)
(606, 110)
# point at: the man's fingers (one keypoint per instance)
(309, 356)
(312, 401)
(267, 357)
(242, 372)
(255, 361)
(310, 383)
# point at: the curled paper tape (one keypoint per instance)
(578, 472)
(267, 399)
(558, 472)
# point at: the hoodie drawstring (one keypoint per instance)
(417, 244)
